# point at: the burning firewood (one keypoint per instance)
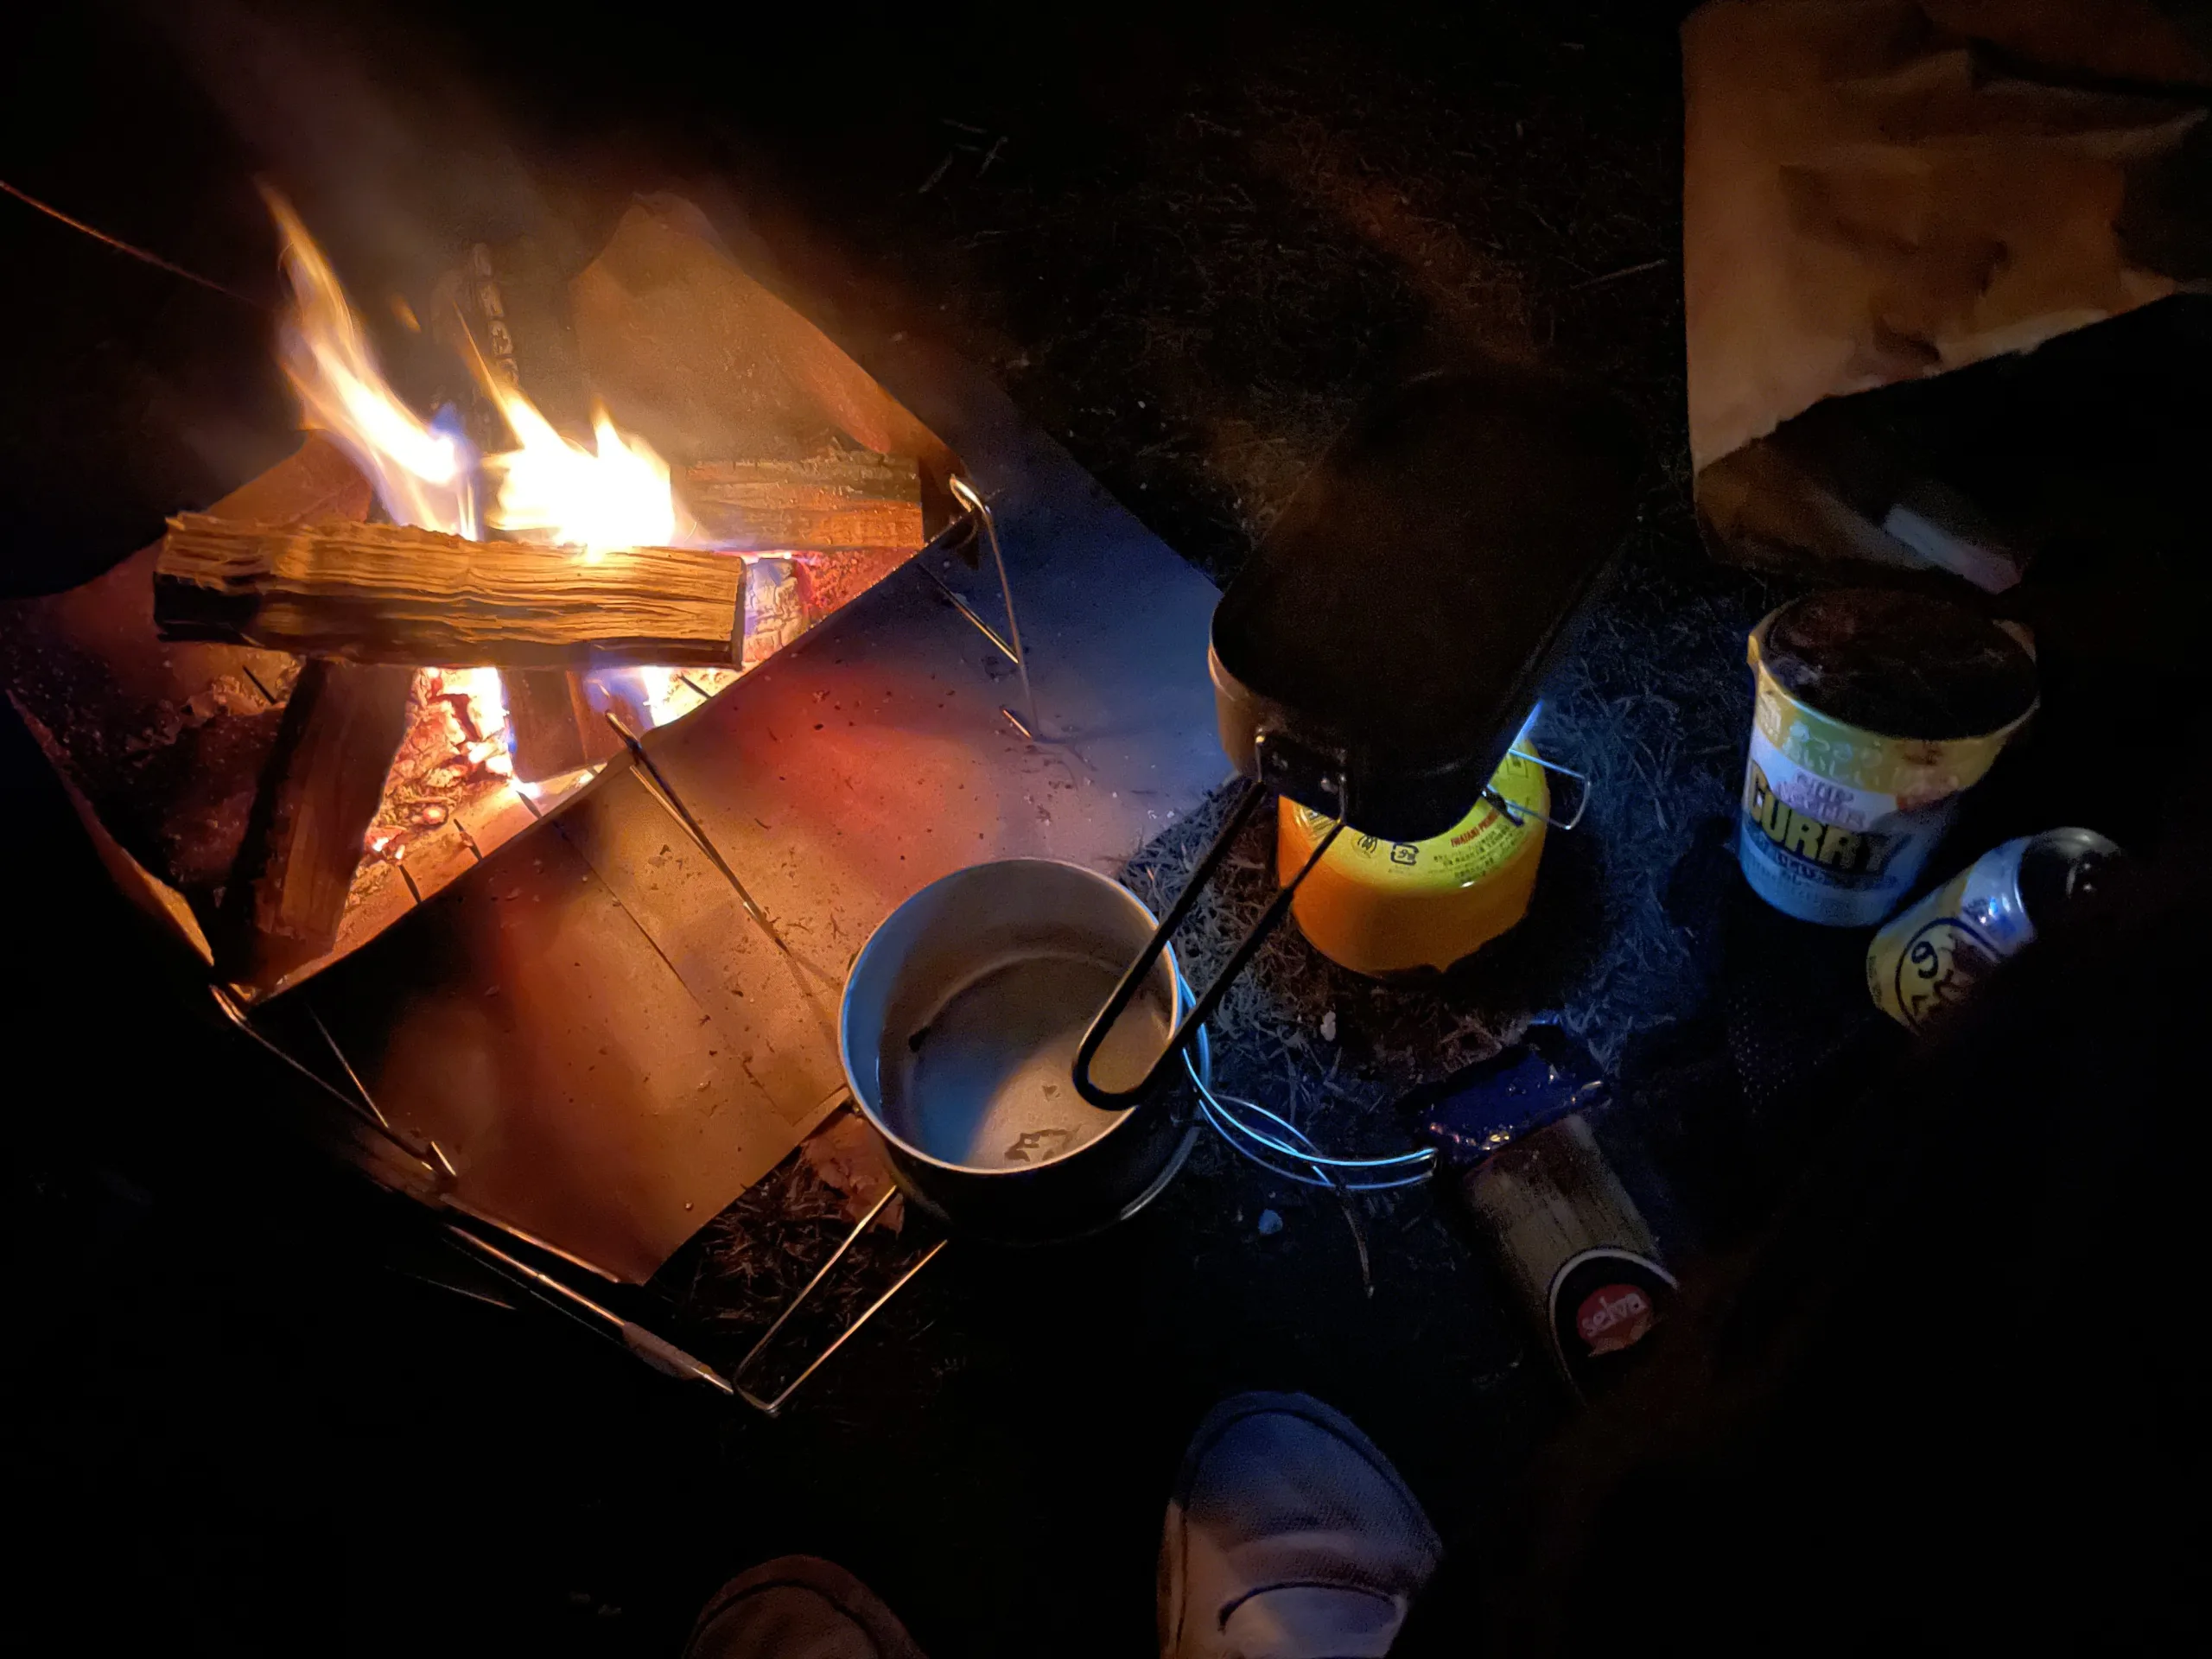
(505, 308)
(165, 744)
(551, 727)
(341, 727)
(861, 501)
(394, 593)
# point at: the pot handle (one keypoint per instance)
(1208, 999)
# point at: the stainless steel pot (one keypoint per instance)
(958, 1030)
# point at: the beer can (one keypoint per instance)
(1580, 1259)
(1932, 956)
(1514, 1132)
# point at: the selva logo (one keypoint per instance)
(1848, 852)
(1614, 1317)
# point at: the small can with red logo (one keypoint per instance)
(1580, 1255)
(1516, 1130)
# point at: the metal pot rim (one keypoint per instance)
(867, 1108)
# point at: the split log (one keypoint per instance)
(551, 725)
(688, 349)
(392, 594)
(507, 307)
(166, 744)
(834, 502)
(324, 782)
(386, 593)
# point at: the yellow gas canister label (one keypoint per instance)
(1386, 907)
(1483, 841)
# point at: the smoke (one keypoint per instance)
(365, 121)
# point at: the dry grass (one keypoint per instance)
(732, 1278)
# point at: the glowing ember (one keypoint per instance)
(484, 710)
(453, 766)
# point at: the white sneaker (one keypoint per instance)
(1289, 1536)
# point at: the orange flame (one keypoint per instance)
(549, 489)
(423, 476)
(552, 489)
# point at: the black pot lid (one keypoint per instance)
(1398, 617)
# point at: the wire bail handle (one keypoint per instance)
(1208, 999)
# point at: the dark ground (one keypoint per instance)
(1188, 252)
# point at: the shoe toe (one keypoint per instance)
(1290, 1487)
(799, 1608)
(1287, 1518)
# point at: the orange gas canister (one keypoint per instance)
(1385, 908)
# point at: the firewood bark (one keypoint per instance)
(506, 306)
(829, 504)
(390, 594)
(690, 349)
(342, 726)
(551, 726)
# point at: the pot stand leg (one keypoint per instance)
(649, 779)
(971, 499)
(379, 1150)
(656, 1350)
(772, 1407)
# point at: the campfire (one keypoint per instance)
(397, 651)
(311, 728)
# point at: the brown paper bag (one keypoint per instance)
(1879, 192)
